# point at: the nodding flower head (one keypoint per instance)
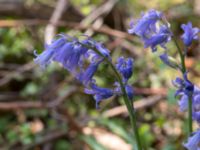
(48, 54)
(159, 38)
(71, 55)
(125, 67)
(145, 24)
(190, 33)
(82, 58)
(99, 93)
(193, 142)
(152, 31)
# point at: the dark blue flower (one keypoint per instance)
(146, 24)
(125, 67)
(99, 93)
(183, 85)
(189, 86)
(193, 142)
(129, 91)
(48, 54)
(160, 38)
(190, 33)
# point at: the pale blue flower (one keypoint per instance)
(48, 54)
(190, 33)
(193, 142)
(160, 38)
(145, 24)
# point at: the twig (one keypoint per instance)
(17, 72)
(19, 9)
(96, 16)
(51, 136)
(104, 9)
(147, 102)
(38, 104)
(75, 25)
(50, 29)
(150, 91)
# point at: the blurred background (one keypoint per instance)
(48, 110)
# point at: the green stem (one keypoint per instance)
(129, 104)
(183, 70)
(182, 57)
(190, 117)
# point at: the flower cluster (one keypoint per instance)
(189, 92)
(82, 59)
(153, 29)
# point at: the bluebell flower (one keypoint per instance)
(190, 33)
(189, 86)
(160, 38)
(183, 102)
(185, 90)
(99, 93)
(125, 67)
(102, 49)
(169, 61)
(146, 24)
(86, 75)
(193, 142)
(196, 106)
(128, 88)
(129, 91)
(183, 85)
(48, 54)
(70, 55)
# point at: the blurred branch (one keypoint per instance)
(54, 103)
(16, 72)
(74, 25)
(20, 9)
(37, 104)
(96, 16)
(50, 29)
(147, 102)
(103, 9)
(50, 136)
(150, 91)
